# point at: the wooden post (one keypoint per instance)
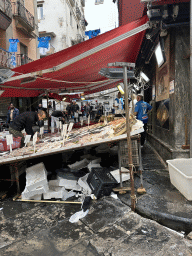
(129, 139)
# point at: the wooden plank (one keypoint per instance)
(45, 201)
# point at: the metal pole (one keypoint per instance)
(190, 103)
(129, 139)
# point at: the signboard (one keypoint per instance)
(27, 139)
(9, 139)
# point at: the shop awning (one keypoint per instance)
(76, 69)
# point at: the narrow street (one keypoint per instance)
(110, 228)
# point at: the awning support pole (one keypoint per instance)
(47, 108)
(190, 103)
(129, 146)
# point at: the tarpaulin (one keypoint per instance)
(77, 68)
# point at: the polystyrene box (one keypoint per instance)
(180, 172)
(36, 176)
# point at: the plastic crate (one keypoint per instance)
(180, 172)
(124, 153)
(16, 144)
(101, 182)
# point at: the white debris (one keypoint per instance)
(93, 165)
(67, 194)
(84, 185)
(78, 215)
(79, 165)
(114, 195)
(54, 192)
(69, 181)
(116, 175)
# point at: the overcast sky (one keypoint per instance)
(103, 16)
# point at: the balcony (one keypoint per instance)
(72, 2)
(83, 3)
(5, 14)
(22, 59)
(25, 18)
(78, 13)
(5, 59)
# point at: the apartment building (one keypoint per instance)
(18, 20)
(63, 21)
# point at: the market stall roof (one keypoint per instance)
(76, 69)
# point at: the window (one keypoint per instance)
(40, 11)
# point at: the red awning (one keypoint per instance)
(77, 68)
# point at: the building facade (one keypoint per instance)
(63, 21)
(18, 20)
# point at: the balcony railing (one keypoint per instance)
(24, 15)
(78, 12)
(5, 59)
(72, 2)
(22, 59)
(6, 8)
(83, 3)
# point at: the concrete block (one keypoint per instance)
(26, 194)
(125, 176)
(54, 192)
(36, 176)
(84, 185)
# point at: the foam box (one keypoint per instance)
(36, 176)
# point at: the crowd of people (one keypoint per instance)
(17, 122)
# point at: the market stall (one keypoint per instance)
(84, 137)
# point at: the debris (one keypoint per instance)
(84, 185)
(27, 194)
(54, 192)
(116, 175)
(67, 194)
(79, 165)
(78, 215)
(189, 236)
(68, 180)
(1, 208)
(114, 195)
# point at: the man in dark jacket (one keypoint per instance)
(12, 113)
(25, 121)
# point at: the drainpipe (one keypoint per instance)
(190, 80)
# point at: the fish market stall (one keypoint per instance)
(114, 131)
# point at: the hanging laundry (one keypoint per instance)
(43, 51)
(44, 42)
(92, 33)
(13, 45)
(13, 60)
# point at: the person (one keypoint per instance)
(75, 110)
(83, 109)
(69, 109)
(25, 121)
(12, 113)
(141, 109)
(39, 108)
(58, 116)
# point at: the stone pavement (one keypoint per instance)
(162, 202)
(110, 228)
